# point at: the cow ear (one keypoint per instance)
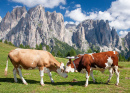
(70, 60)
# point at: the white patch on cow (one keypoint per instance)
(87, 77)
(110, 75)
(117, 74)
(109, 62)
(69, 69)
(91, 74)
(62, 66)
(114, 52)
(91, 55)
(32, 63)
(6, 66)
(46, 70)
(20, 74)
(14, 73)
(61, 73)
(42, 74)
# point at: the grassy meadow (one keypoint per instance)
(61, 85)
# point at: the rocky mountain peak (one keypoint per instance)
(18, 12)
(7, 15)
(48, 13)
(36, 9)
(127, 38)
(36, 13)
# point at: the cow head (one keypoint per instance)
(69, 66)
(61, 70)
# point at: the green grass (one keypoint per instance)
(61, 84)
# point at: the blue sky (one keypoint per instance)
(75, 11)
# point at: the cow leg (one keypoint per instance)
(14, 73)
(110, 75)
(20, 74)
(91, 74)
(117, 74)
(49, 74)
(41, 70)
(87, 77)
(46, 70)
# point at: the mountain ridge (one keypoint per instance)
(36, 26)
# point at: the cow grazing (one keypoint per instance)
(96, 61)
(34, 59)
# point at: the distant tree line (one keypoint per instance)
(63, 50)
(6, 42)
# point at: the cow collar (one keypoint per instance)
(75, 70)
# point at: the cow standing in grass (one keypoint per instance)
(96, 61)
(34, 59)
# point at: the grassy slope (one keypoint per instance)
(61, 84)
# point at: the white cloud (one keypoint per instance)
(61, 7)
(76, 15)
(123, 33)
(78, 5)
(45, 3)
(17, 6)
(118, 14)
(70, 22)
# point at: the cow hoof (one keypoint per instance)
(52, 82)
(116, 84)
(43, 84)
(16, 81)
(107, 82)
(86, 85)
(26, 83)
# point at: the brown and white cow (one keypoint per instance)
(96, 61)
(32, 59)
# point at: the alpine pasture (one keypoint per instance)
(74, 83)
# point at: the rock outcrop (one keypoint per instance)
(11, 20)
(127, 38)
(34, 27)
(91, 33)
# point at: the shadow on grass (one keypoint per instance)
(11, 80)
(78, 83)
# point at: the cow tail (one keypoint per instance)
(6, 69)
